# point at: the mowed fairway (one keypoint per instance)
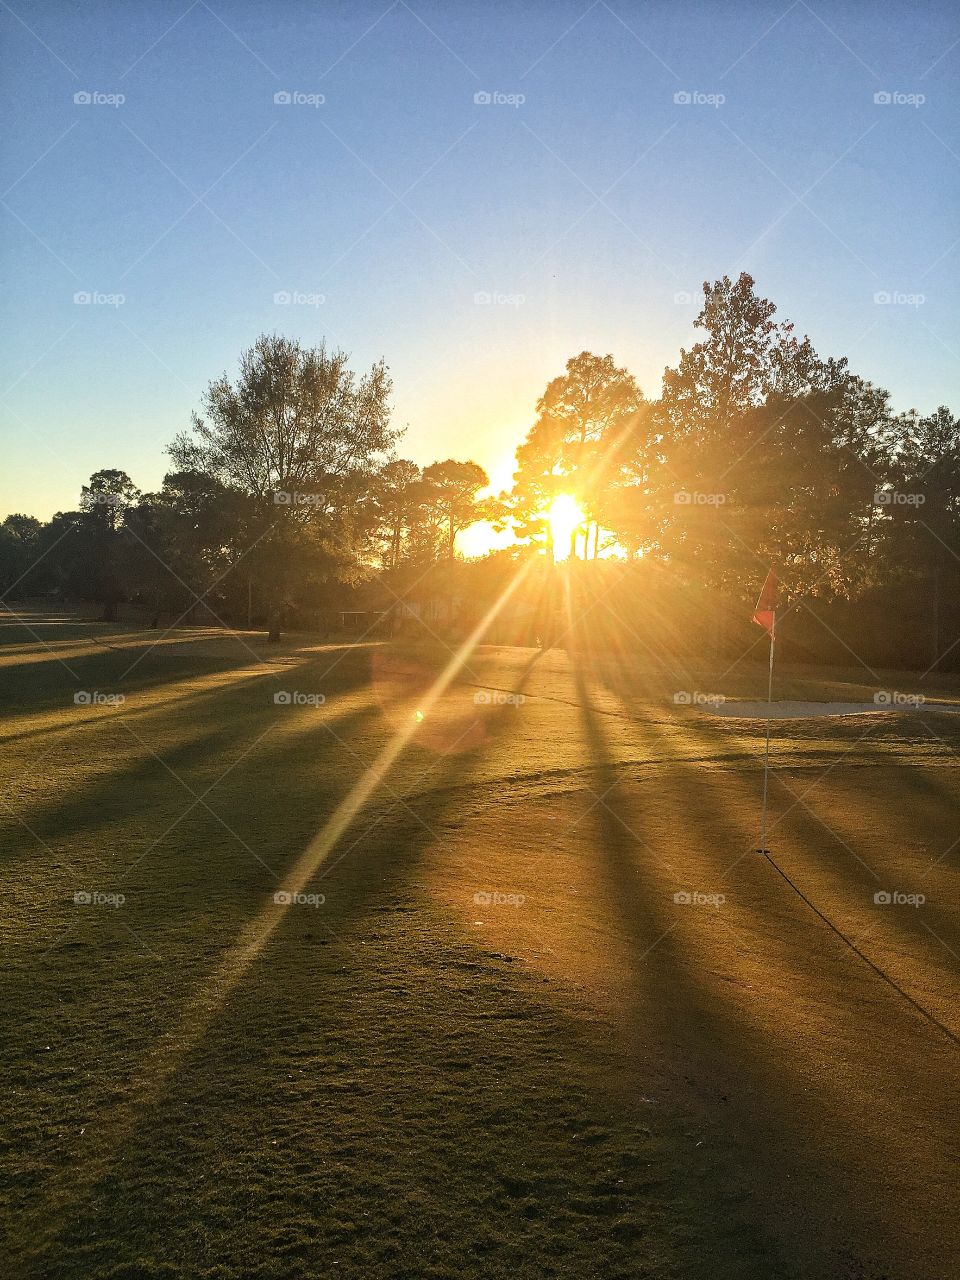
(499, 1047)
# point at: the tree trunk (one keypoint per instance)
(277, 590)
(936, 610)
(275, 607)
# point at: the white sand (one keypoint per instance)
(801, 710)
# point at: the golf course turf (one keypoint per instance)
(530, 1004)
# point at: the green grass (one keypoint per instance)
(404, 1081)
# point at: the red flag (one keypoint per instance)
(765, 614)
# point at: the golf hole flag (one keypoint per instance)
(765, 614)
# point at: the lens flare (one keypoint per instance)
(565, 517)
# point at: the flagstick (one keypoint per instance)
(766, 755)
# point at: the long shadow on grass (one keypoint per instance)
(790, 1123)
(674, 1023)
(52, 690)
(237, 713)
(840, 847)
(834, 848)
(401, 830)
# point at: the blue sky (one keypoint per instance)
(589, 212)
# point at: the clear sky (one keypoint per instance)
(588, 211)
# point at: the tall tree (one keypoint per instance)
(292, 432)
(576, 446)
(399, 496)
(767, 449)
(451, 491)
(21, 569)
(104, 503)
(921, 507)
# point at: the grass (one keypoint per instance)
(584, 1078)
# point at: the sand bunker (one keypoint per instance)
(803, 710)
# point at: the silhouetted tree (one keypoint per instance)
(451, 492)
(577, 445)
(104, 503)
(290, 433)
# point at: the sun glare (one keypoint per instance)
(565, 517)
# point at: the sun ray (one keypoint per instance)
(208, 998)
(565, 517)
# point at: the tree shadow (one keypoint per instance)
(788, 1129)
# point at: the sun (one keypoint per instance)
(565, 517)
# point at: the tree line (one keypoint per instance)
(287, 492)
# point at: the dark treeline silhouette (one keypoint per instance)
(287, 505)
